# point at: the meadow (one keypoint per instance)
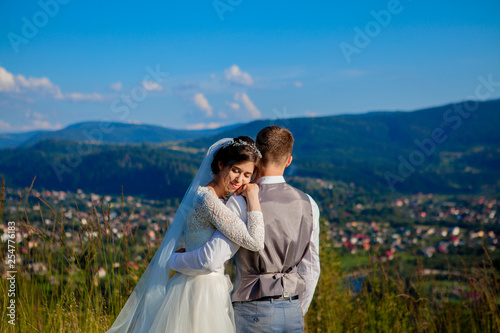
(66, 288)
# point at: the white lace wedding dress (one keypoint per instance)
(202, 303)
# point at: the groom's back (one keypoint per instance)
(288, 225)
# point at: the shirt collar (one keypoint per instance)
(271, 180)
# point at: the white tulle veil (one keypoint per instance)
(142, 306)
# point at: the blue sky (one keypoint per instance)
(202, 64)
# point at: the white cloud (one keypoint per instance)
(235, 75)
(39, 115)
(234, 106)
(4, 125)
(7, 82)
(201, 126)
(46, 124)
(39, 124)
(298, 84)
(310, 114)
(202, 103)
(20, 84)
(42, 83)
(248, 104)
(117, 86)
(222, 115)
(77, 97)
(151, 86)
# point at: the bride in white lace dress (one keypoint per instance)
(199, 303)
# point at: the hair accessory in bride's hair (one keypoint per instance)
(239, 142)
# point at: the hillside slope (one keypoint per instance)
(432, 150)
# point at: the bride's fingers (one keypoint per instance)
(241, 189)
(252, 188)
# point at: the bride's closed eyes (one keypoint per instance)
(246, 175)
(237, 175)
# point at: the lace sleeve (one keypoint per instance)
(249, 236)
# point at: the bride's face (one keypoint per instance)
(235, 176)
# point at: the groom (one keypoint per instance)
(273, 287)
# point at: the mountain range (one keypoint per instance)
(451, 148)
(107, 132)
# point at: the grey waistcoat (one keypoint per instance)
(288, 225)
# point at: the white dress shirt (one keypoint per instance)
(212, 256)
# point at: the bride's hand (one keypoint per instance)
(249, 190)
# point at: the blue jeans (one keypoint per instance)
(268, 316)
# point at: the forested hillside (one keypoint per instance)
(444, 149)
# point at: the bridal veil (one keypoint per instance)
(139, 311)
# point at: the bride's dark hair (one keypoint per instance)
(241, 150)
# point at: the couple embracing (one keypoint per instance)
(269, 226)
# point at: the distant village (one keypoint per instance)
(424, 238)
(476, 224)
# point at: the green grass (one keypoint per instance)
(70, 297)
(350, 261)
(390, 303)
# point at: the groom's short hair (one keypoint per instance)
(276, 145)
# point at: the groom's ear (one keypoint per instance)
(290, 158)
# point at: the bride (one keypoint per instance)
(199, 303)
